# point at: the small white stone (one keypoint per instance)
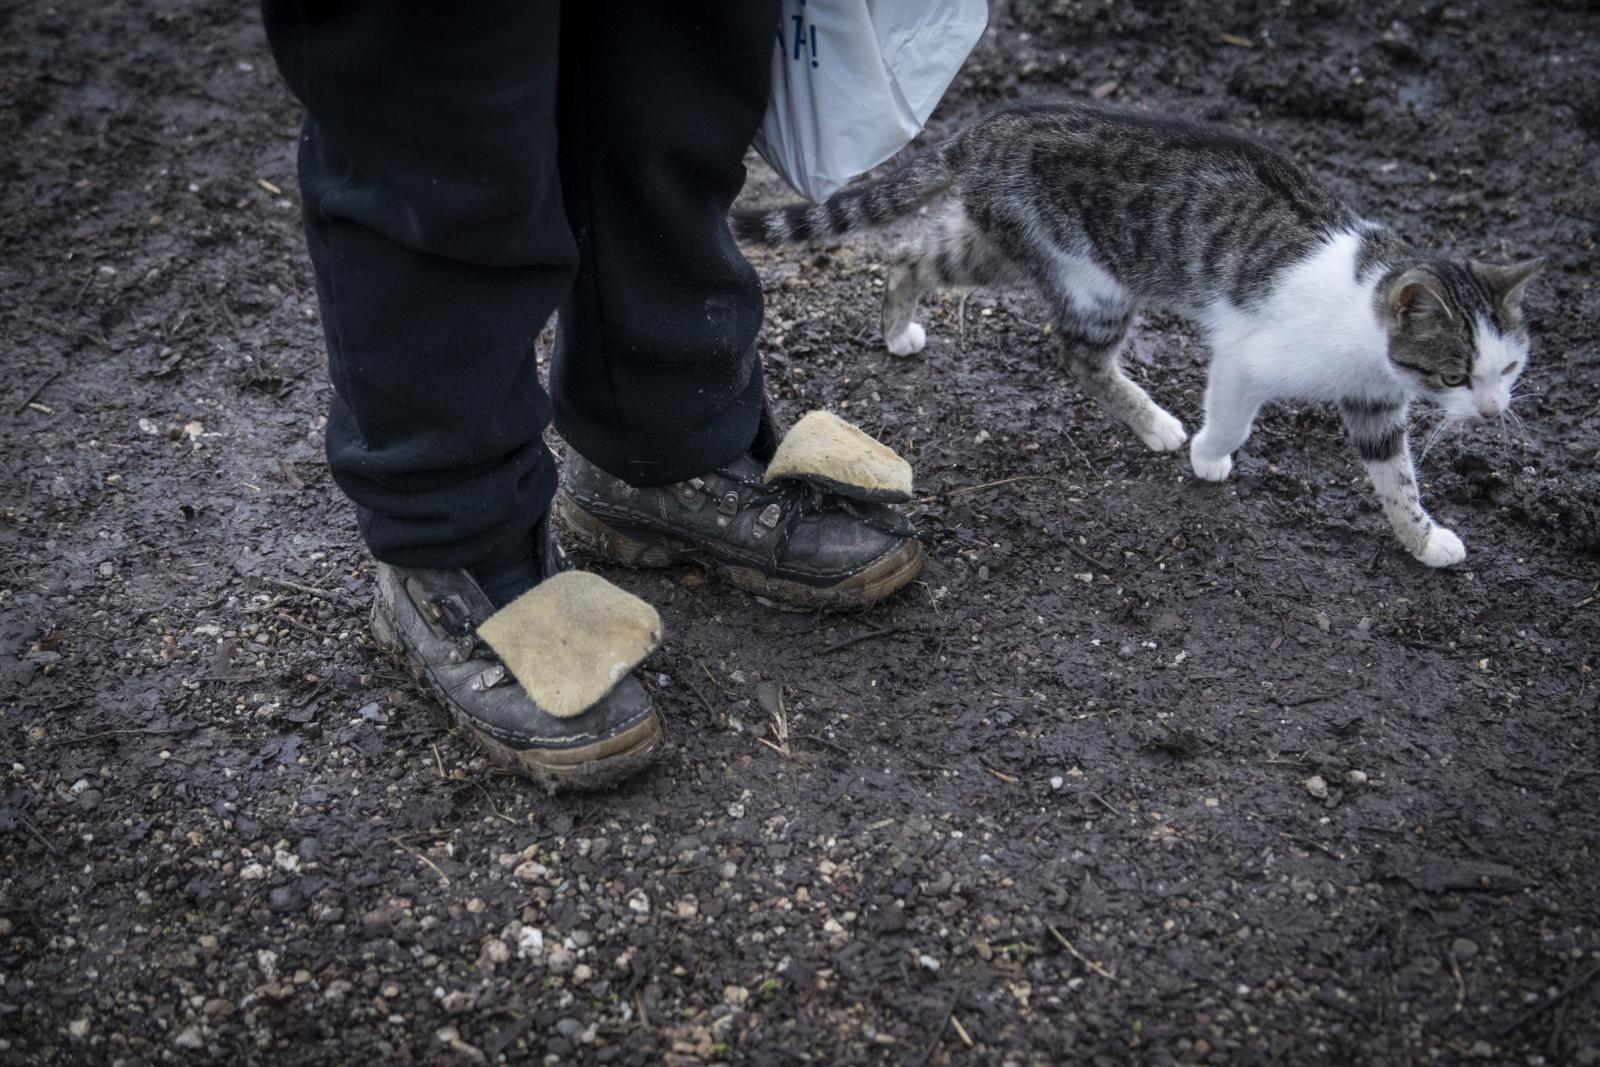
(1056, 782)
(530, 943)
(639, 903)
(252, 872)
(1356, 777)
(927, 962)
(531, 871)
(1317, 787)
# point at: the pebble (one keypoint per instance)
(927, 962)
(89, 799)
(582, 973)
(1317, 787)
(531, 871)
(559, 960)
(1056, 781)
(1356, 777)
(189, 1037)
(1463, 948)
(286, 898)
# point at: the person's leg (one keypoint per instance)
(656, 382)
(655, 375)
(434, 218)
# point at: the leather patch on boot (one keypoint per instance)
(570, 639)
(827, 451)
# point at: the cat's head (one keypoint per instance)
(1456, 332)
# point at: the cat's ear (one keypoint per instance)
(1508, 284)
(1416, 301)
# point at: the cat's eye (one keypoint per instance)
(1453, 380)
(1511, 369)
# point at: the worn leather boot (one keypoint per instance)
(794, 542)
(428, 620)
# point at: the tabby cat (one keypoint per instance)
(1299, 297)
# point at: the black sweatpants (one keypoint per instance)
(466, 169)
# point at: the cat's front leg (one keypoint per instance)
(1231, 406)
(1377, 429)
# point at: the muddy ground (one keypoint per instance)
(1051, 805)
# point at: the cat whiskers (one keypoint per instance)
(1444, 427)
(1518, 426)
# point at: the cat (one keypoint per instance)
(1107, 212)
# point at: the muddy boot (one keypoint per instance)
(809, 541)
(446, 629)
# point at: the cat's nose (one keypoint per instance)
(1489, 408)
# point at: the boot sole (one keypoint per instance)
(595, 766)
(592, 535)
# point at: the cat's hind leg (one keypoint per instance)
(908, 280)
(1093, 315)
(958, 256)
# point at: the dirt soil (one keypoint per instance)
(1144, 771)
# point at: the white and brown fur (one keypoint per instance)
(1106, 213)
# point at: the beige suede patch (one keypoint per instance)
(825, 449)
(570, 639)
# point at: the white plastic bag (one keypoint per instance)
(853, 81)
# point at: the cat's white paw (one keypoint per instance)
(909, 343)
(1442, 548)
(1163, 433)
(1211, 470)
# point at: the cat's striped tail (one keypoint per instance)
(853, 208)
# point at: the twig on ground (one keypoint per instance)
(1008, 779)
(1072, 950)
(1461, 983)
(965, 489)
(1549, 1002)
(444, 879)
(33, 394)
(945, 1017)
(309, 590)
(1104, 803)
(780, 730)
(113, 733)
(837, 646)
(823, 741)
